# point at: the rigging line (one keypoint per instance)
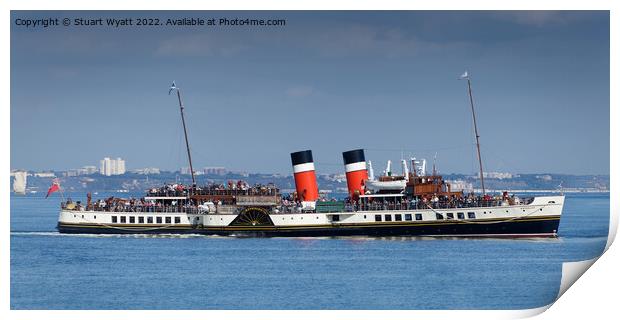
(421, 150)
(328, 164)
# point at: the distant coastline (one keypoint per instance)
(331, 183)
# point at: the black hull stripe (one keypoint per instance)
(531, 227)
(339, 225)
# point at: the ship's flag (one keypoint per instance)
(172, 87)
(465, 75)
(53, 188)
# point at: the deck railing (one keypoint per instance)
(294, 208)
(215, 192)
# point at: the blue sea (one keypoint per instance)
(54, 271)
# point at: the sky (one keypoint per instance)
(329, 81)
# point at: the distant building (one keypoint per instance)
(499, 175)
(45, 175)
(185, 170)
(334, 177)
(111, 167)
(220, 171)
(545, 177)
(71, 173)
(89, 169)
(460, 185)
(147, 171)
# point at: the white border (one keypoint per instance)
(594, 295)
(356, 166)
(303, 167)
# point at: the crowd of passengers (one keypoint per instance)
(435, 202)
(129, 205)
(289, 202)
(231, 187)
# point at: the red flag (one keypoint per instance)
(53, 188)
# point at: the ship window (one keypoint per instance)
(158, 219)
(408, 216)
(364, 216)
(140, 219)
(398, 217)
(439, 216)
(113, 219)
(336, 217)
(177, 219)
(95, 217)
(418, 216)
(132, 219)
(461, 215)
(149, 219)
(388, 217)
(168, 220)
(450, 215)
(378, 217)
(471, 215)
(123, 219)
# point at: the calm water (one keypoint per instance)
(54, 271)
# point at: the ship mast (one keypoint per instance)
(181, 108)
(465, 76)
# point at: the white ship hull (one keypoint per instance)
(539, 218)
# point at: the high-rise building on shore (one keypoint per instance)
(111, 167)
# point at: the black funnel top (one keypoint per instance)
(353, 156)
(301, 157)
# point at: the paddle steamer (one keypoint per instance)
(412, 204)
